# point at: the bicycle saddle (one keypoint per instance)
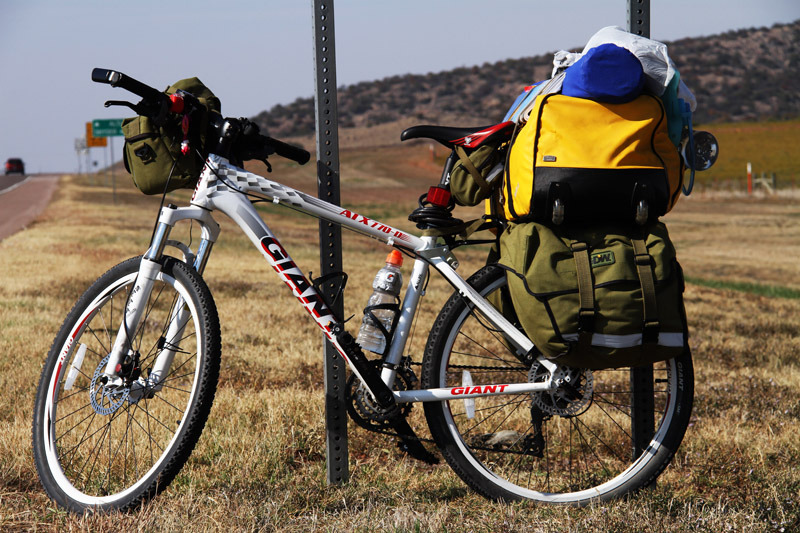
(466, 137)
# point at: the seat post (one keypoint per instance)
(448, 168)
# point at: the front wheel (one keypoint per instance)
(572, 446)
(99, 446)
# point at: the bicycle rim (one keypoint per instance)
(532, 446)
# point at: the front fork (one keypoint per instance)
(149, 271)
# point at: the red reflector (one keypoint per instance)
(177, 103)
(439, 196)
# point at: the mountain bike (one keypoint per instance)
(129, 381)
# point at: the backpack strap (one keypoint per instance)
(652, 325)
(473, 171)
(462, 230)
(586, 313)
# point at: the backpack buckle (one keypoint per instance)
(643, 259)
(586, 319)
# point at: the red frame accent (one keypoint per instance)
(474, 140)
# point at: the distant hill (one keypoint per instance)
(751, 74)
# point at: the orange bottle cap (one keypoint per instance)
(395, 258)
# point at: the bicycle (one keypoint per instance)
(130, 378)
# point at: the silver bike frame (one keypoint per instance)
(223, 187)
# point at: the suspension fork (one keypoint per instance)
(149, 271)
(179, 319)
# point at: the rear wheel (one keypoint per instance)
(574, 445)
(103, 446)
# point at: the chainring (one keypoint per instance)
(363, 409)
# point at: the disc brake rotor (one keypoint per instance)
(571, 397)
(106, 398)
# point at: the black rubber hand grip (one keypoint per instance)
(288, 151)
(118, 79)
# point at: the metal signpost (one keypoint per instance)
(642, 403)
(81, 149)
(639, 17)
(327, 119)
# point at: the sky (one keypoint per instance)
(254, 54)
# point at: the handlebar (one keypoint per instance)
(156, 104)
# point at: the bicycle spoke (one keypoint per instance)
(147, 431)
(79, 421)
(65, 452)
(161, 398)
(105, 429)
(94, 334)
(68, 396)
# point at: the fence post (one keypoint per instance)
(330, 242)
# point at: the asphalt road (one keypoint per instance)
(22, 198)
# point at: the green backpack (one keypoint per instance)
(152, 152)
(468, 183)
(606, 297)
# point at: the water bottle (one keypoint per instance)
(386, 287)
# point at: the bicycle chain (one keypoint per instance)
(478, 367)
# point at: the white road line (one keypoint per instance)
(9, 189)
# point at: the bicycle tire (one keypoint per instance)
(529, 447)
(99, 451)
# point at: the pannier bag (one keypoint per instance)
(598, 160)
(606, 297)
(151, 152)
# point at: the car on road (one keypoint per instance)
(14, 165)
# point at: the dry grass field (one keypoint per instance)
(260, 463)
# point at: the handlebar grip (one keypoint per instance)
(118, 79)
(288, 151)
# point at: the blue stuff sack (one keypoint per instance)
(607, 73)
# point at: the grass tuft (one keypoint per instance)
(770, 291)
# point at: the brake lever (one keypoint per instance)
(123, 103)
(158, 114)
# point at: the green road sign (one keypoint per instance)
(107, 127)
